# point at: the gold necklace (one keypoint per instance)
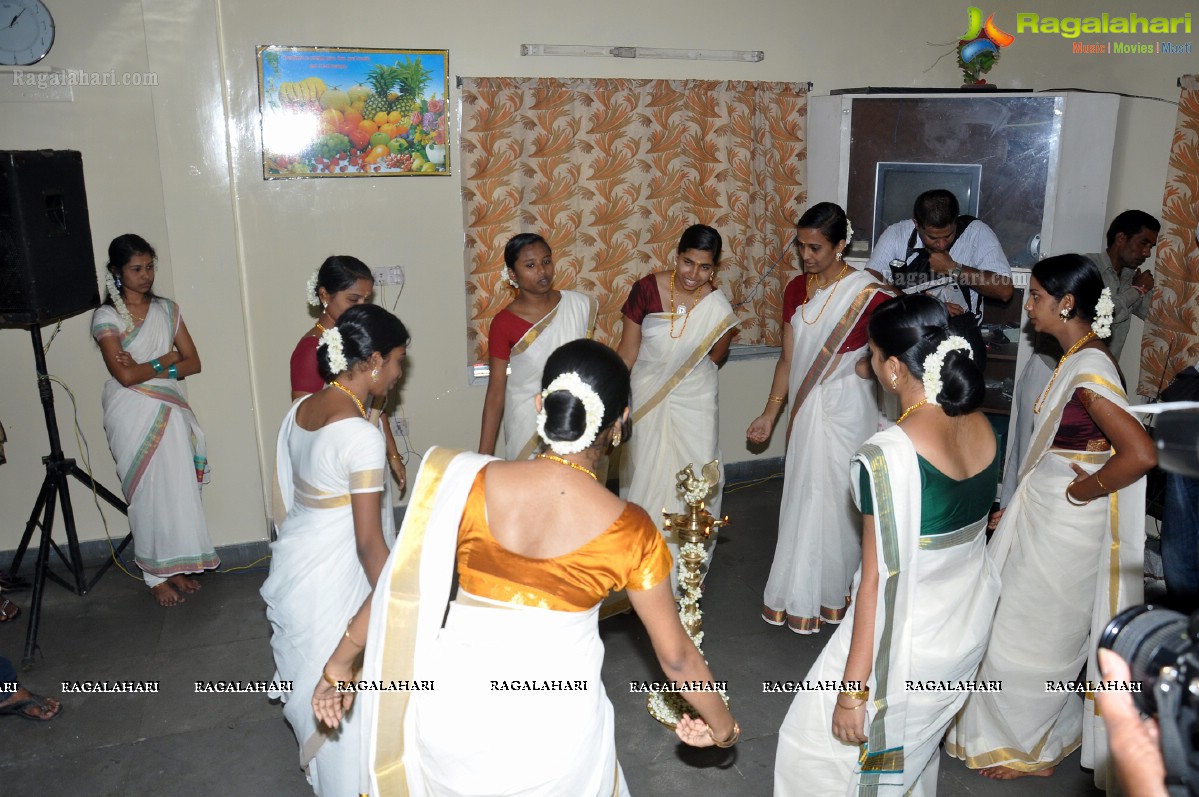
(1036, 408)
(321, 328)
(687, 315)
(812, 294)
(910, 410)
(567, 463)
(349, 393)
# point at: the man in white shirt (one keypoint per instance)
(956, 259)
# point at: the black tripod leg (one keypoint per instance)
(39, 576)
(100, 489)
(111, 498)
(47, 486)
(68, 517)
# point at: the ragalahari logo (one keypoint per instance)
(982, 37)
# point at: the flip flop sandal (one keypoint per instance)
(9, 611)
(34, 701)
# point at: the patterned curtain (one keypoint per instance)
(611, 172)
(1171, 340)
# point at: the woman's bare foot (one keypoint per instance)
(184, 583)
(165, 594)
(1007, 773)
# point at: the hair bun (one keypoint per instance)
(565, 396)
(963, 387)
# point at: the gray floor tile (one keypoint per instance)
(183, 743)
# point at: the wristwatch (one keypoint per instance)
(957, 273)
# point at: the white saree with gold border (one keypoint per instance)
(833, 411)
(1066, 571)
(504, 714)
(675, 409)
(573, 318)
(316, 581)
(936, 596)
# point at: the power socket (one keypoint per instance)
(399, 426)
(389, 275)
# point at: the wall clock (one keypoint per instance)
(26, 31)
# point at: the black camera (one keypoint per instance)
(1161, 647)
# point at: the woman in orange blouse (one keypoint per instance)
(506, 697)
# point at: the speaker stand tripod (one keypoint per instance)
(54, 490)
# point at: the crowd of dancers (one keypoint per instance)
(893, 548)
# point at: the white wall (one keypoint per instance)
(179, 164)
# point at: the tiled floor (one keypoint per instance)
(181, 743)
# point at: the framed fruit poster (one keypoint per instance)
(340, 112)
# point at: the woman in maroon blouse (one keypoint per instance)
(1069, 547)
(341, 282)
(677, 329)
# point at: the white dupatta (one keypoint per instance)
(674, 385)
(407, 608)
(573, 318)
(811, 351)
(895, 486)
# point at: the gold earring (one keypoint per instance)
(894, 381)
(616, 436)
(1064, 314)
(375, 375)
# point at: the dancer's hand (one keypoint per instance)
(1080, 475)
(849, 724)
(760, 429)
(693, 732)
(328, 704)
(398, 470)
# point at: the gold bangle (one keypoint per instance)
(1070, 499)
(352, 640)
(729, 742)
(774, 398)
(1102, 486)
(856, 694)
(325, 677)
(851, 708)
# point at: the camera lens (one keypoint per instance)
(1148, 638)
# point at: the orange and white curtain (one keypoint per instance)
(1171, 340)
(611, 171)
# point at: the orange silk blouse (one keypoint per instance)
(629, 554)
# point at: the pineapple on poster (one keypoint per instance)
(339, 112)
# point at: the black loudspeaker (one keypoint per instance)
(47, 268)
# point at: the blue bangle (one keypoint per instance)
(173, 372)
(156, 365)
